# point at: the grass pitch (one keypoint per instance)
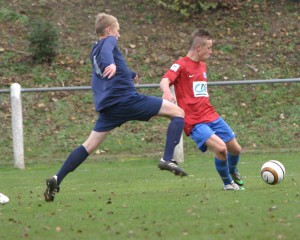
(132, 199)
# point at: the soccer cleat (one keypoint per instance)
(232, 186)
(51, 189)
(172, 167)
(237, 178)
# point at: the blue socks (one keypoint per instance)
(173, 137)
(72, 162)
(225, 167)
(232, 162)
(222, 168)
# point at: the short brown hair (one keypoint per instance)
(199, 36)
(104, 21)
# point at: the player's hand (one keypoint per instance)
(110, 71)
(136, 79)
(169, 96)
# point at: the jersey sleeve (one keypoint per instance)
(173, 73)
(106, 54)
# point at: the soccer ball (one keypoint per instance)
(3, 199)
(272, 172)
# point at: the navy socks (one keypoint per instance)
(72, 162)
(173, 137)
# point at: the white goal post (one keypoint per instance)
(17, 125)
(178, 153)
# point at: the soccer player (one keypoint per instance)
(117, 101)
(202, 123)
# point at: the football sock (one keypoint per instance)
(222, 168)
(72, 162)
(232, 162)
(173, 137)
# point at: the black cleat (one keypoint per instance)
(172, 167)
(51, 189)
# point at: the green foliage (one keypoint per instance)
(8, 15)
(188, 7)
(227, 48)
(43, 38)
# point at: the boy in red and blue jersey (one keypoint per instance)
(202, 123)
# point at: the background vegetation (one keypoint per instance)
(254, 39)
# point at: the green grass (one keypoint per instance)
(132, 199)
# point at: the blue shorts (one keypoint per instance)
(203, 131)
(137, 107)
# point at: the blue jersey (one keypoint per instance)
(120, 87)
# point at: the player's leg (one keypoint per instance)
(174, 132)
(224, 131)
(217, 145)
(233, 147)
(233, 156)
(221, 162)
(103, 125)
(79, 154)
(205, 138)
(169, 109)
(76, 157)
(175, 128)
(143, 108)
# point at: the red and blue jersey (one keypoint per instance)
(190, 83)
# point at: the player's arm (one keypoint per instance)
(165, 88)
(108, 65)
(169, 79)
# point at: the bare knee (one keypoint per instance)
(180, 112)
(177, 111)
(236, 151)
(221, 152)
(94, 140)
(217, 145)
(234, 148)
(89, 147)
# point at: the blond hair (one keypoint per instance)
(104, 21)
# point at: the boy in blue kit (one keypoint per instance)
(117, 101)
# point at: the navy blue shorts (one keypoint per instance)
(138, 107)
(203, 131)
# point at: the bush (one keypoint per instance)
(43, 41)
(9, 15)
(189, 7)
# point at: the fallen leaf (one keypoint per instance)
(132, 45)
